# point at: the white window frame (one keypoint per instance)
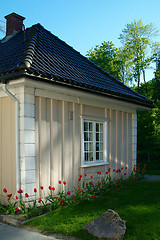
(105, 142)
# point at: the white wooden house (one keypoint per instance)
(60, 114)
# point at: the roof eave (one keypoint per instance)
(67, 83)
(5, 78)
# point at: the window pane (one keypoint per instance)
(97, 146)
(101, 146)
(101, 155)
(90, 136)
(86, 156)
(85, 126)
(86, 136)
(91, 156)
(90, 146)
(101, 136)
(90, 126)
(97, 127)
(97, 155)
(85, 146)
(101, 127)
(97, 136)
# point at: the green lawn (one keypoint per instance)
(138, 204)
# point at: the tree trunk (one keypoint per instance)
(157, 89)
(157, 84)
(122, 75)
(148, 157)
(144, 77)
(138, 79)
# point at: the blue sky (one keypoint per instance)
(84, 23)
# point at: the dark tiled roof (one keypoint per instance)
(40, 53)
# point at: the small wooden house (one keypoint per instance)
(60, 114)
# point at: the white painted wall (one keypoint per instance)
(27, 141)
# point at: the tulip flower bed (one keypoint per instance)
(86, 190)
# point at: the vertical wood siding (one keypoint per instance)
(58, 141)
(7, 146)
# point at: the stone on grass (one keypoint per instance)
(109, 225)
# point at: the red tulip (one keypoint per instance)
(4, 190)
(9, 195)
(20, 190)
(17, 209)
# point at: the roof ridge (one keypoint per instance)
(29, 51)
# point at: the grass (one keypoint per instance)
(138, 204)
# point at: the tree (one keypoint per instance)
(136, 39)
(148, 124)
(125, 66)
(156, 60)
(157, 77)
(107, 56)
(2, 27)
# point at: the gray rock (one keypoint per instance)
(109, 225)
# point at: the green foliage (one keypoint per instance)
(136, 39)
(107, 56)
(149, 124)
(129, 62)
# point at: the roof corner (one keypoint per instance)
(23, 65)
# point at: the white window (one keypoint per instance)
(93, 142)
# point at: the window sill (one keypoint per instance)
(94, 165)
